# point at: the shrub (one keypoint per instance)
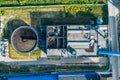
(3, 13)
(86, 1)
(75, 9)
(65, 1)
(22, 2)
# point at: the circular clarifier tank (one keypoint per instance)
(24, 39)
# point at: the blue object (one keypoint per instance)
(109, 53)
(96, 27)
(87, 75)
(32, 77)
(78, 73)
(99, 21)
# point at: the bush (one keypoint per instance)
(75, 9)
(86, 1)
(3, 13)
(22, 2)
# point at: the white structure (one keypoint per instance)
(1, 25)
(103, 27)
(78, 31)
(81, 45)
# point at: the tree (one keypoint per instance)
(22, 2)
(3, 13)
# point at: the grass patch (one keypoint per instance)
(59, 14)
(54, 58)
(48, 2)
(79, 15)
(27, 14)
(15, 55)
(93, 11)
(47, 68)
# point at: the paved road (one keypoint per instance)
(119, 65)
(113, 11)
(118, 6)
(43, 61)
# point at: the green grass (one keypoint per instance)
(54, 58)
(79, 15)
(20, 56)
(85, 11)
(9, 2)
(39, 2)
(38, 69)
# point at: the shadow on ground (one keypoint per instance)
(11, 25)
(80, 18)
(105, 14)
